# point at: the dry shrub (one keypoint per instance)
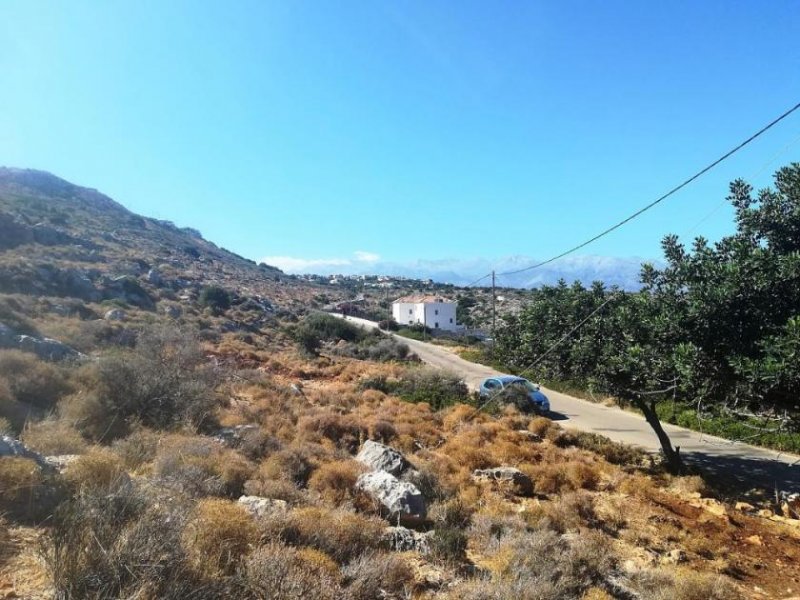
(21, 482)
(542, 565)
(335, 481)
(613, 452)
(31, 380)
(569, 512)
(138, 448)
(218, 534)
(116, 546)
(541, 426)
(692, 484)
(683, 584)
(277, 489)
(560, 477)
(637, 485)
(200, 467)
(596, 593)
(377, 575)
(292, 464)
(277, 571)
(52, 437)
(343, 431)
(382, 431)
(341, 534)
(98, 470)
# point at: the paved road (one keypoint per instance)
(749, 464)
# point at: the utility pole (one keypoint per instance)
(494, 312)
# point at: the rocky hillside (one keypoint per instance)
(63, 240)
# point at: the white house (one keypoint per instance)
(431, 311)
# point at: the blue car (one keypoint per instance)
(494, 385)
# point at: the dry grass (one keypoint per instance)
(277, 571)
(21, 483)
(335, 481)
(53, 437)
(32, 381)
(218, 535)
(338, 533)
(99, 470)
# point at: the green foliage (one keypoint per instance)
(718, 325)
(216, 298)
(437, 388)
(319, 327)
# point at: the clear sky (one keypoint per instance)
(408, 130)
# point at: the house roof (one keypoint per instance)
(421, 299)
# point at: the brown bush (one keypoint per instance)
(99, 470)
(570, 512)
(32, 381)
(340, 534)
(277, 571)
(138, 448)
(382, 431)
(200, 467)
(683, 584)
(277, 489)
(292, 464)
(218, 535)
(344, 431)
(377, 575)
(335, 481)
(19, 480)
(53, 437)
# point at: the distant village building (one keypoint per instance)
(435, 312)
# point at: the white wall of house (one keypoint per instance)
(436, 315)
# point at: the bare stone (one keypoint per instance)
(382, 458)
(401, 501)
(508, 477)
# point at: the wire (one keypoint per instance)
(478, 280)
(555, 345)
(663, 197)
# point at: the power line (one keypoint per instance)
(663, 197)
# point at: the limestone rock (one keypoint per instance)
(382, 458)
(507, 477)
(115, 314)
(9, 447)
(402, 539)
(260, 507)
(46, 348)
(61, 461)
(401, 501)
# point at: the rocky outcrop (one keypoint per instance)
(9, 447)
(379, 457)
(261, 508)
(115, 314)
(507, 478)
(400, 501)
(13, 233)
(128, 290)
(402, 539)
(44, 348)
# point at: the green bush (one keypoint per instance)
(438, 388)
(216, 298)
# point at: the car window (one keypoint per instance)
(491, 384)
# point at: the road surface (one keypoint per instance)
(750, 465)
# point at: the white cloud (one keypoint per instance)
(369, 257)
(293, 264)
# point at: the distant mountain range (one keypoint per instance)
(623, 272)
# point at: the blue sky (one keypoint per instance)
(402, 130)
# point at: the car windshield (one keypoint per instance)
(524, 384)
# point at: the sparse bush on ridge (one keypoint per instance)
(277, 571)
(53, 437)
(216, 298)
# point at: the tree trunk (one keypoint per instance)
(672, 455)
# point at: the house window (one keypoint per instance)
(411, 311)
(436, 325)
(451, 320)
(436, 312)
